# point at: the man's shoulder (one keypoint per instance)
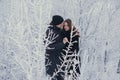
(50, 27)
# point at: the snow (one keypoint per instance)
(23, 24)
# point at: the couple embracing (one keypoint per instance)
(62, 46)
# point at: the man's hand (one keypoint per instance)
(77, 32)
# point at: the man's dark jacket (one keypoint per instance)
(53, 53)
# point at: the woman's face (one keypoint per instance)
(66, 27)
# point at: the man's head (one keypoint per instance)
(57, 21)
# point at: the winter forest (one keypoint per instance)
(23, 24)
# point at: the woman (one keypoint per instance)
(73, 58)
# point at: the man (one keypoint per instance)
(55, 43)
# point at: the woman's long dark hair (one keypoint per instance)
(69, 22)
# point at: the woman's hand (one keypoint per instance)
(65, 40)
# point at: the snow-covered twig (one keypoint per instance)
(65, 60)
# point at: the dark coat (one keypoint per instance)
(52, 55)
(75, 47)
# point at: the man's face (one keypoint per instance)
(61, 25)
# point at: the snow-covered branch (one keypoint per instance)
(68, 60)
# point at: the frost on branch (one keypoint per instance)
(49, 38)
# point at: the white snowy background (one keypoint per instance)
(23, 24)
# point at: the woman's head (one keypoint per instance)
(67, 25)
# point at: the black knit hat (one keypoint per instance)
(56, 20)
